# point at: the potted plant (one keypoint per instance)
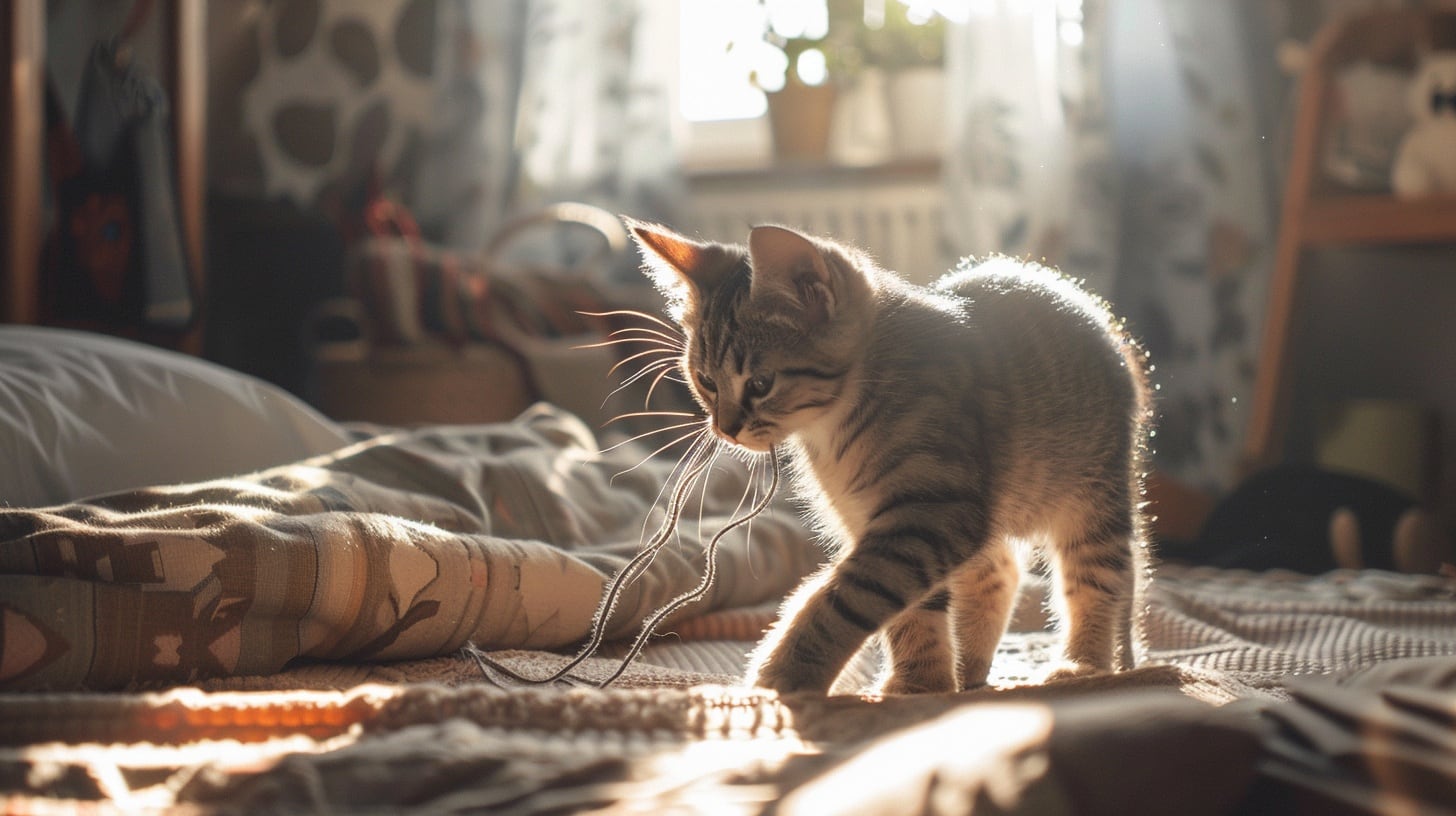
(825, 46)
(815, 44)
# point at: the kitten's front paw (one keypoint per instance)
(1070, 670)
(920, 683)
(783, 681)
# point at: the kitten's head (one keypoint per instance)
(770, 328)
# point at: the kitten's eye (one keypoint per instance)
(707, 384)
(759, 386)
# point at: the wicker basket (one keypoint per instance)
(423, 383)
(433, 337)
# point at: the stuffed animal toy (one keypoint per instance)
(1426, 161)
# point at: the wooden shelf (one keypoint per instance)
(1379, 219)
(1313, 216)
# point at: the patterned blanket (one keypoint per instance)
(406, 545)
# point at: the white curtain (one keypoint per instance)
(1027, 172)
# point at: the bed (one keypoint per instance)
(213, 599)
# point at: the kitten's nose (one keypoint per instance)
(729, 423)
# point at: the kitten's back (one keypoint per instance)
(1046, 387)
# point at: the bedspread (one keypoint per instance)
(407, 544)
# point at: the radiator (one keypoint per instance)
(894, 216)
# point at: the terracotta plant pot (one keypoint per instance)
(799, 116)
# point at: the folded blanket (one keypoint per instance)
(406, 545)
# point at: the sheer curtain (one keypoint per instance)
(1126, 143)
(550, 100)
(1027, 170)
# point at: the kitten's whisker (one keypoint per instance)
(757, 475)
(649, 368)
(669, 339)
(646, 434)
(493, 670)
(742, 499)
(659, 365)
(617, 341)
(639, 354)
(666, 371)
(701, 432)
(649, 413)
(748, 485)
(634, 313)
(629, 572)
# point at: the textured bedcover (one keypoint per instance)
(1266, 690)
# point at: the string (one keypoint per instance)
(490, 667)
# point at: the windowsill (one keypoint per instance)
(733, 151)
(726, 145)
(895, 169)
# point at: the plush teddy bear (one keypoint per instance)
(1426, 160)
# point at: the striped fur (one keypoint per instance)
(937, 436)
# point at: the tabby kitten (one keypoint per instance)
(931, 431)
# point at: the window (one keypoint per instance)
(720, 42)
(728, 58)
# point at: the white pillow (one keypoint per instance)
(83, 414)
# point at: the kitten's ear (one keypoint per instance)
(789, 268)
(671, 260)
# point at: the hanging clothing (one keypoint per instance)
(115, 259)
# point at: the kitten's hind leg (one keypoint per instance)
(1095, 576)
(1132, 620)
(918, 642)
(983, 592)
(1124, 659)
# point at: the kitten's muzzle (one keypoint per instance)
(756, 442)
(728, 420)
(729, 433)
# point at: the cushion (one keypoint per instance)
(83, 414)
